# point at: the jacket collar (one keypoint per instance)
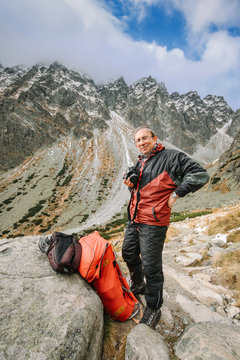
(157, 148)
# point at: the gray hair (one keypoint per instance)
(144, 127)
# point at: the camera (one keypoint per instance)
(133, 174)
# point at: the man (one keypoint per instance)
(165, 175)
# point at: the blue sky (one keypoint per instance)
(187, 44)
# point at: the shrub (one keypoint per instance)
(30, 177)
(67, 180)
(9, 200)
(38, 221)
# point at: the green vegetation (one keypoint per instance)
(67, 180)
(38, 221)
(9, 200)
(62, 171)
(30, 177)
(107, 231)
(32, 211)
(175, 216)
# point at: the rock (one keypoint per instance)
(205, 280)
(209, 341)
(218, 240)
(45, 315)
(195, 288)
(167, 318)
(144, 343)
(228, 172)
(189, 259)
(199, 312)
(233, 312)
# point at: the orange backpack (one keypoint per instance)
(99, 266)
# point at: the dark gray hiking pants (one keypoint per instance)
(142, 251)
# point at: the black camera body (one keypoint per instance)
(132, 174)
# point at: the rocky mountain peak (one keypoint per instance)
(53, 97)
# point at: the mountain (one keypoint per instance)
(197, 126)
(69, 183)
(40, 105)
(67, 141)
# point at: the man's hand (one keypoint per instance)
(172, 200)
(127, 181)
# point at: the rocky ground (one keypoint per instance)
(194, 293)
(196, 301)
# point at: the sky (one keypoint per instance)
(187, 44)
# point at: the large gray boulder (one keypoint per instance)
(144, 343)
(209, 341)
(45, 315)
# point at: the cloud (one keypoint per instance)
(201, 14)
(86, 36)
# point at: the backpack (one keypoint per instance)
(64, 253)
(99, 266)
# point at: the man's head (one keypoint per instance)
(145, 140)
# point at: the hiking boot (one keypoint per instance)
(43, 244)
(151, 317)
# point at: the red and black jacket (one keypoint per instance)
(164, 171)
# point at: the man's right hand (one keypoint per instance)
(128, 182)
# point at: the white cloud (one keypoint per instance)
(201, 14)
(84, 35)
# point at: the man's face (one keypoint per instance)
(144, 141)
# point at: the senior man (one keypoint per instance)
(164, 175)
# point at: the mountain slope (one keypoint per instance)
(71, 182)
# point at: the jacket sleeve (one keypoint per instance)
(193, 175)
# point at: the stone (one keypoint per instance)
(167, 317)
(199, 312)
(44, 314)
(144, 343)
(205, 280)
(189, 259)
(209, 341)
(195, 288)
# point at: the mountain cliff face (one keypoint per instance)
(227, 175)
(41, 105)
(186, 121)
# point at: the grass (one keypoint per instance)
(118, 225)
(175, 216)
(229, 264)
(114, 339)
(234, 236)
(224, 223)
